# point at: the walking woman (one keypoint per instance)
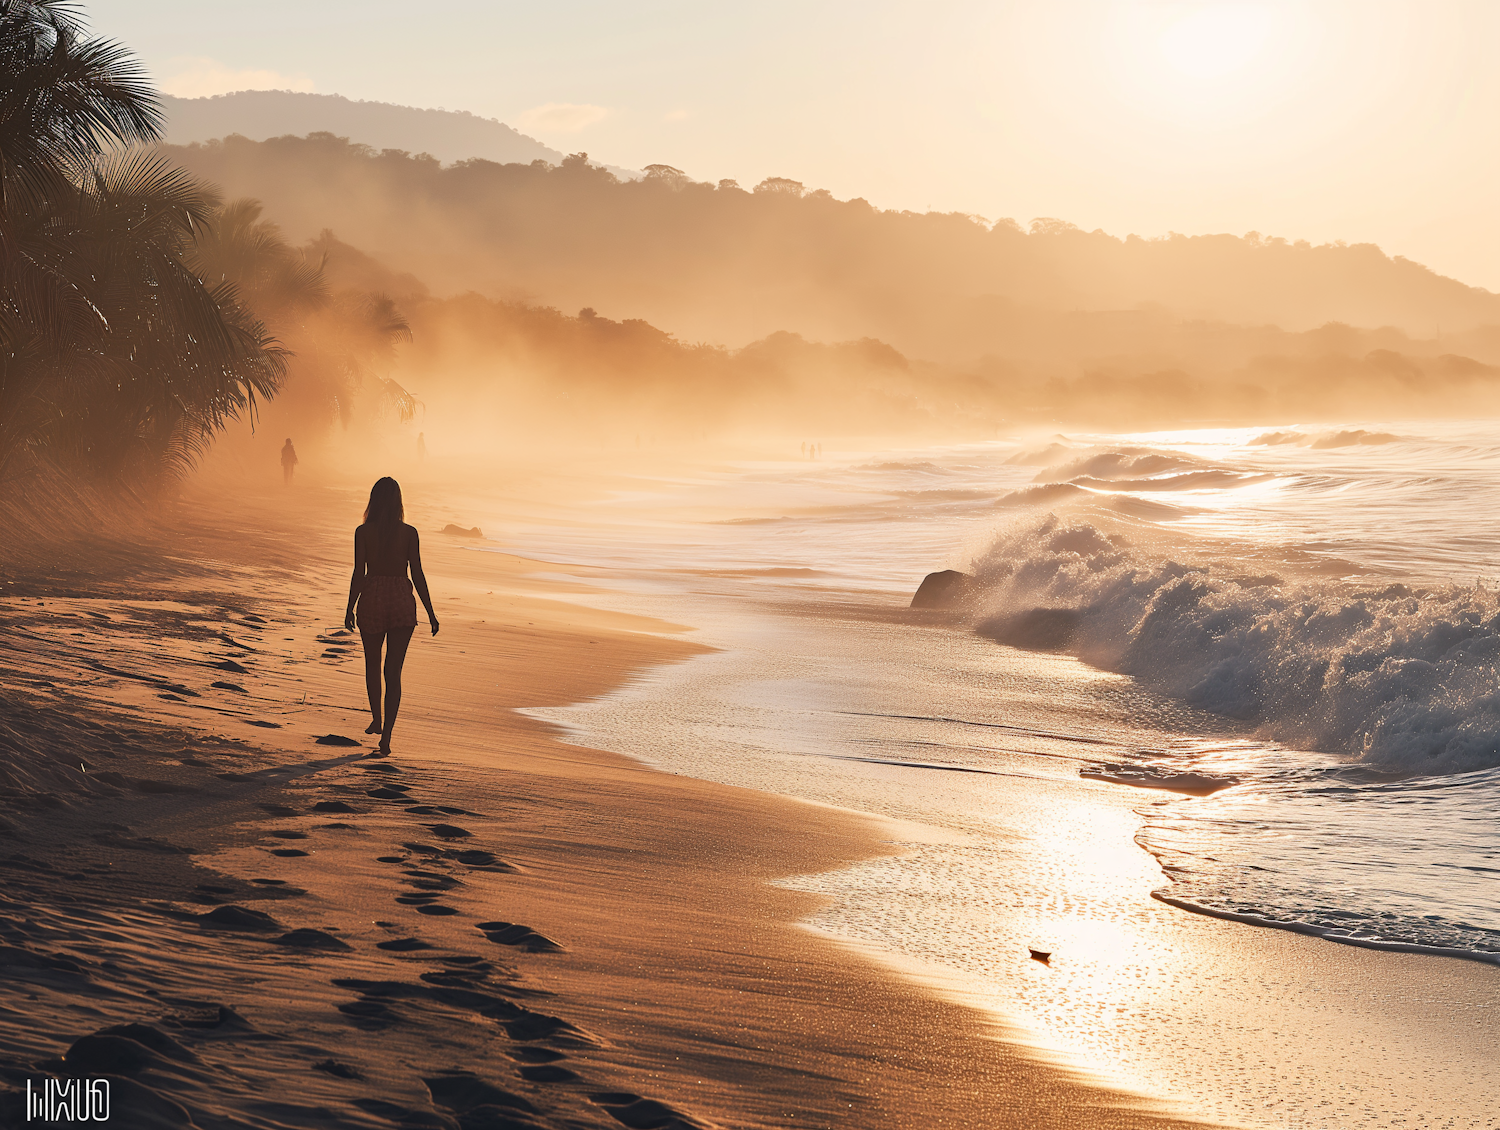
(384, 547)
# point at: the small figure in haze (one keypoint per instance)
(802, 447)
(288, 461)
(421, 445)
(384, 547)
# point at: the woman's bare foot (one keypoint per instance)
(374, 728)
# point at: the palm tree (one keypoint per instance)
(342, 341)
(114, 355)
(178, 359)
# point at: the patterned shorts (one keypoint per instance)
(385, 604)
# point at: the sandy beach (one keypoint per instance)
(238, 926)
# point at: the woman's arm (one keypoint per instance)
(419, 579)
(356, 576)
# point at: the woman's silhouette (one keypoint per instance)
(383, 549)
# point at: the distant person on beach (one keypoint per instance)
(288, 461)
(384, 547)
(421, 445)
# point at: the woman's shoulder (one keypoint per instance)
(408, 529)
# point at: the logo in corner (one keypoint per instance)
(67, 1100)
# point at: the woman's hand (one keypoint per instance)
(433, 619)
(349, 620)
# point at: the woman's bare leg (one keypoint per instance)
(397, 640)
(372, 642)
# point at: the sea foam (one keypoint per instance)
(1402, 680)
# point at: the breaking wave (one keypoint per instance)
(1124, 463)
(1403, 680)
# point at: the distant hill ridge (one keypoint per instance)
(449, 135)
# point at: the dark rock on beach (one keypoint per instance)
(947, 589)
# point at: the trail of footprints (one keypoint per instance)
(455, 981)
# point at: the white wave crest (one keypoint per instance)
(1404, 680)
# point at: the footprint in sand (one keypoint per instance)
(262, 724)
(467, 1094)
(239, 918)
(390, 859)
(288, 853)
(278, 809)
(522, 937)
(431, 881)
(404, 945)
(288, 834)
(436, 909)
(548, 1073)
(335, 739)
(456, 978)
(308, 939)
(229, 687)
(448, 831)
(633, 1110)
(475, 858)
(386, 792)
(333, 806)
(337, 1070)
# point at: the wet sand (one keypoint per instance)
(494, 928)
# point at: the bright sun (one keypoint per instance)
(1215, 41)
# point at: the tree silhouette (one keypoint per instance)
(115, 356)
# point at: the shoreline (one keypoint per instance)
(798, 1031)
(1247, 1026)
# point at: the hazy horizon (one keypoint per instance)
(1136, 118)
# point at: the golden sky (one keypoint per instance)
(1371, 121)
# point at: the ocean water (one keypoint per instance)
(1316, 603)
(1283, 639)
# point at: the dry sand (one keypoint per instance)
(240, 927)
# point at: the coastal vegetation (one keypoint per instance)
(116, 358)
(139, 315)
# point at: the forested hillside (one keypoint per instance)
(729, 264)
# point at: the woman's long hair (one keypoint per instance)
(385, 507)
